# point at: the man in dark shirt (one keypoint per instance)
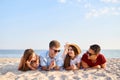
(93, 59)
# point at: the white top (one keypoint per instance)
(76, 60)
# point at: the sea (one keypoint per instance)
(18, 53)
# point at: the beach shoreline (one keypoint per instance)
(8, 70)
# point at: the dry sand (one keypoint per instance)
(8, 71)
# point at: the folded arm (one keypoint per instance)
(85, 65)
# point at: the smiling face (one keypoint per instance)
(54, 48)
(92, 55)
(53, 51)
(71, 52)
(34, 61)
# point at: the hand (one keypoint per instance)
(29, 65)
(98, 66)
(35, 65)
(73, 67)
(56, 68)
(52, 65)
(65, 49)
(28, 62)
(66, 45)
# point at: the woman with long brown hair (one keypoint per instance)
(72, 57)
(29, 61)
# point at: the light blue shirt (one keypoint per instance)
(45, 60)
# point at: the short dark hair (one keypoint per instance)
(96, 48)
(54, 43)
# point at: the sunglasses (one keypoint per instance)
(90, 54)
(56, 50)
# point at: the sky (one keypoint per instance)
(34, 23)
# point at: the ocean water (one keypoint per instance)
(19, 53)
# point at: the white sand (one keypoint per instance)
(8, 71)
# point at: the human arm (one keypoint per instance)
(103, 65)
(44, 68)
(72, 67)
(84, 64)
(51, 66)
(100, 66)
(38, 61)
(30, 65)
(56, 68)
(58, 63)
(102, 62)
(65, 50)
(43, 63)
(78, 65)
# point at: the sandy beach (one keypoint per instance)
(8, 71)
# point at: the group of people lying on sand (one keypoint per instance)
(70, 59)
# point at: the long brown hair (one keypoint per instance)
(26, 56)
(67, 58)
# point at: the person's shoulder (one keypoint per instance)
(102, 58)
(78, 56)
(84, 55)
(58, 57)
(44, 54)
(101, 55)
(38, 56)
(21, 59)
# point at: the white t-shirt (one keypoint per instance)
(76, 60)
